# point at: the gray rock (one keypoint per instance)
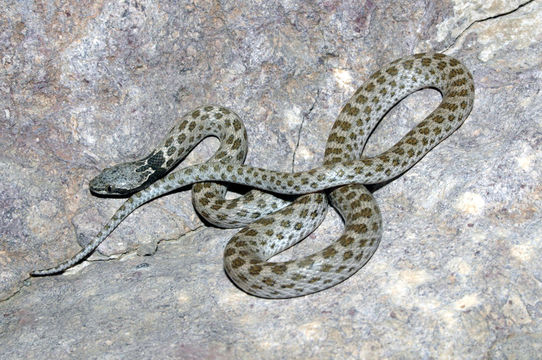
(87, 85)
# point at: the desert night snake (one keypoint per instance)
(271, 224)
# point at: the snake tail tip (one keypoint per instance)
(45, 272)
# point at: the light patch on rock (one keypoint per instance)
(293, 116)
(459, 266)
(183, 298)
(414, 277)
(522, 252)
(467, 302)
(312, 330)
(525, 160)
(343, 78)
(470, 203)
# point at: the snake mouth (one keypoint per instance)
(110, 191)
(110, 195)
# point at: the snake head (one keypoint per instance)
(121, 179)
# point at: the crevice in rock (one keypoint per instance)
(115, 257)
(14, 293)
(492, 17)
(120, 256)
(303, 120)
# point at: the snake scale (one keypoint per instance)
(271, 224)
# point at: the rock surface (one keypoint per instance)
(84, 85)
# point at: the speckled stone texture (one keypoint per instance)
(84, 85)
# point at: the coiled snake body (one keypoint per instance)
(271, 224)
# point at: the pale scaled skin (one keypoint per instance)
(343, 174)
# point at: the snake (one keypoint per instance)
(270, 221)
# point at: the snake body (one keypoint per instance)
(272, 224)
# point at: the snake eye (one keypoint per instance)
(109, 189)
